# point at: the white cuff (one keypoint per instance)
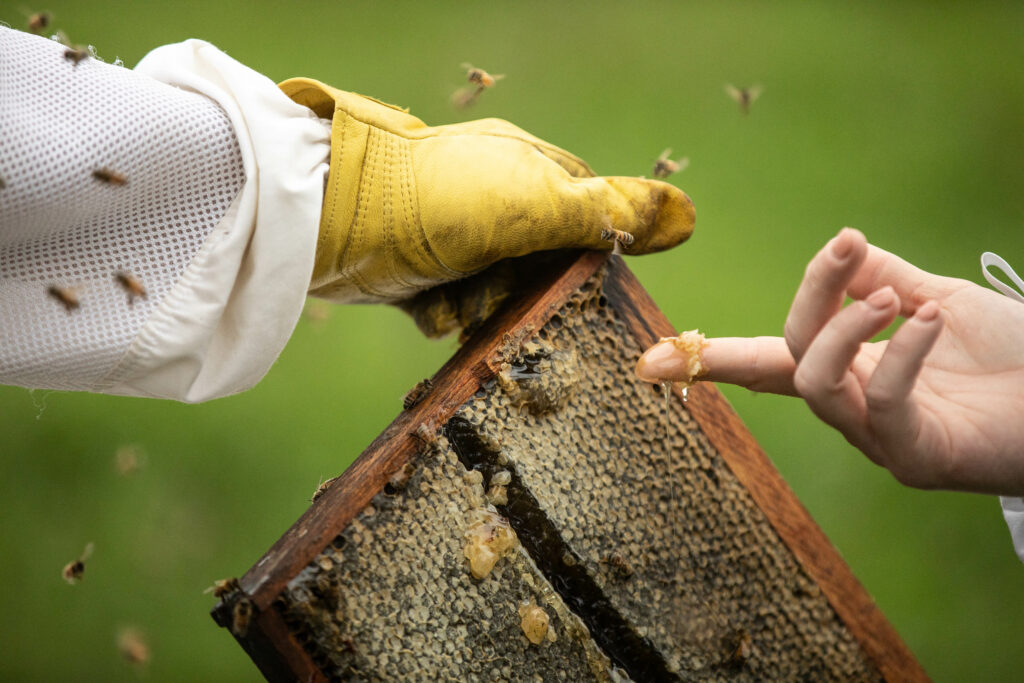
(225, 322)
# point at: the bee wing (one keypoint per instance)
(497, 77)
(464, 97)
(733, 92)
(666, 154)
(87, 553)
(467, 66)
(754, 92)
(683, 163)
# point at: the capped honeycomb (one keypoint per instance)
(647, 555)
(394, 597)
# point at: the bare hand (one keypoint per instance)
(940, 404)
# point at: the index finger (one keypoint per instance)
(757, 363)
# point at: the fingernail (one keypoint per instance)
(841, 244)
(881, 298)
(661, 362)
(667, 361)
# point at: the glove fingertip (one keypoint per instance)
(673, 221)
(664, 215)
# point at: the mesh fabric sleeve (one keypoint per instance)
(192, 177)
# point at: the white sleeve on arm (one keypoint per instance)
(217, 218)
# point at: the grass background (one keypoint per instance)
(904, 120)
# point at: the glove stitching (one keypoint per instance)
(541, 145)
(387, 225)
(390, 229)
(350, 271)
(332, 208)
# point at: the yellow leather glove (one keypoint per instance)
(410, 206)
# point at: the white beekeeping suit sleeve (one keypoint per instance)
(216, 217)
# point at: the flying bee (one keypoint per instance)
(744, 96)
(75, 570)
(321, 488)
(664, 167)
(65, 295)
(130, 284)
(105, 175)
(479, 81)
(480, 77)
(222, 587)
(76, 54)
(38, 21)
(241, 617)
(132, 646)
(464, 97)
(317, 311)
(128, 460)
(620, 238)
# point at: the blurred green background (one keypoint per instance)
(904, 120)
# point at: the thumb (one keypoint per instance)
(657, 215)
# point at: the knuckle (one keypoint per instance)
(808, 385)
(879, 399)
(801, 382)
(818, 391)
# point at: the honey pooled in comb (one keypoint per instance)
(536, 623)
(488, 539)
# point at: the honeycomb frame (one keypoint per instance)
(662, 546)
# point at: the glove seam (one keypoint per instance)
(541, 145)
(410, 184)
(390, 252)
(350, 271)
(327, 219)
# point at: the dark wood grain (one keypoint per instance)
(276, 653)
(787, 515)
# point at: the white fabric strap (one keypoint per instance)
(1013, 508)
(990, 259)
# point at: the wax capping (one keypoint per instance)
(675, 359)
